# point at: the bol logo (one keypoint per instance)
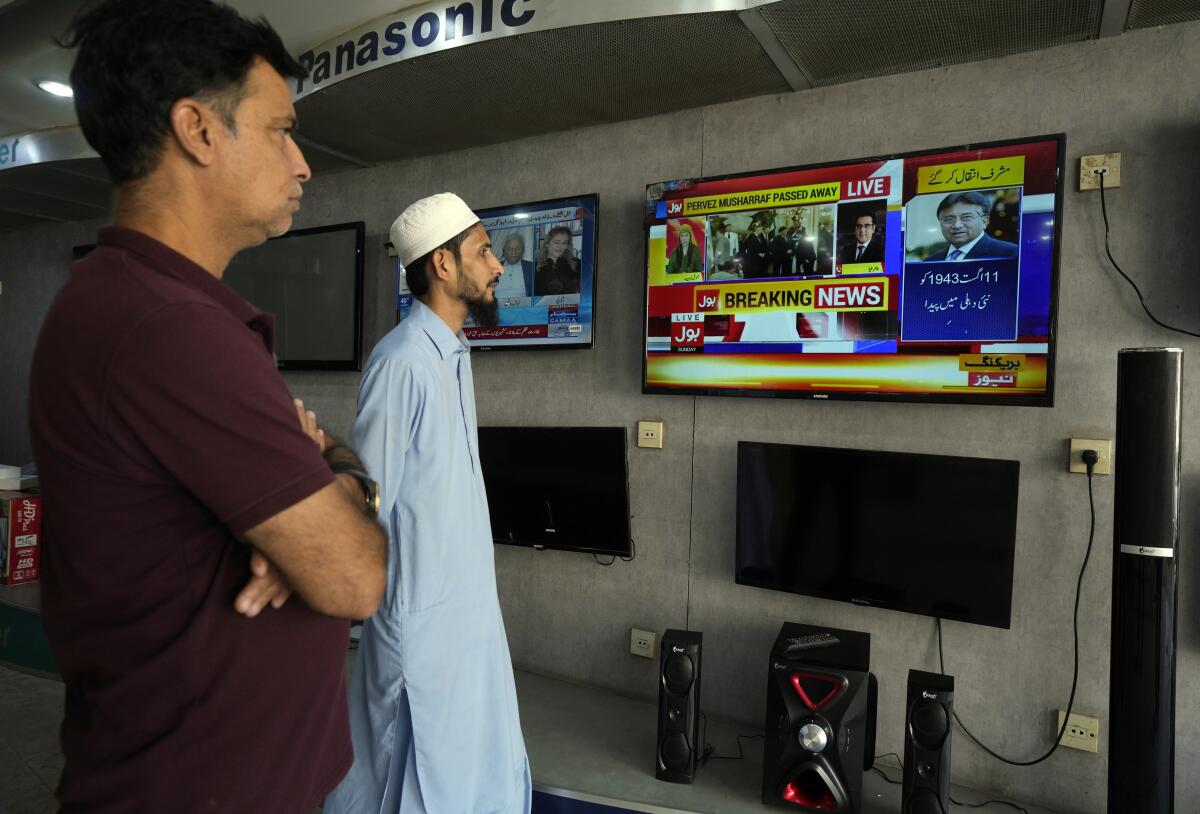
(707, 299)
(674, 207)
(687, 335)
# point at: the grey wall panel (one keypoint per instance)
(569, 617)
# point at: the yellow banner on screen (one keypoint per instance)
(857, 294)
(992, 362)
(991, 172)
(756, 199)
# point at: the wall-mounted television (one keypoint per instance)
(558, 487)
(547, 294)
(927, 534)
(312, 281)
(924, 276)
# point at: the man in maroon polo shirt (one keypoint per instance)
(184, 490)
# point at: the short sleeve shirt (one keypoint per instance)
(162, 432)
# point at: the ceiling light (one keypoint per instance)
(56, 88)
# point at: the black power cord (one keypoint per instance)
(707, 754)
(883, 774)
(613, 557)
(1141, 299)
(1090, 458)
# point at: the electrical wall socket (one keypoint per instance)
(641, 643)
(1109, 162)
(650, 434)
(1083, 732)
(1075, 457)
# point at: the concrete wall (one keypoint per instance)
(569, 617)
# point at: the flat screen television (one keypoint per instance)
(927, 534)
(558, 487)
(924, 276)
(547, 295)
(312, 281)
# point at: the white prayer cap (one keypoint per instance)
(429, 223)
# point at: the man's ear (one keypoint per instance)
(192, 126)
(442, 264)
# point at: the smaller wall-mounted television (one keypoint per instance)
(923, 276)
(312, 281)
(927, 534)
(547, 294)
(558, 487)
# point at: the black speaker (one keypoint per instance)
(1141, 743)
(820, 720)
(678, 705)
(928, 721)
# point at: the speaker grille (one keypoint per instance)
(1147, 13)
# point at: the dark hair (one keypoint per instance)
(973, 198)
(870, 215)
(138, 57)
(414, 272)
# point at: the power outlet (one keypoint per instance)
(1075, 456)
(1083, 732)
(641, 643)
(650, 434)
(1089, 165)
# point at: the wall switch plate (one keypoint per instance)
(1109, 162)
(1083, 732)
(641, 643)
(1101, 445)
(650, 434)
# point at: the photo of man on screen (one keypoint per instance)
(862, 235)
(517, 280)
(963, 218)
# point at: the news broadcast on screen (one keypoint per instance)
(918, 276)
(546, 293)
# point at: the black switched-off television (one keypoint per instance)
(926, 534)
(312, 281)
(558, 487)
(921, 276)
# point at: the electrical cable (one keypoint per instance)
(709, 748)
(883, 774)
(1141, 299)
(613, 557)
(1075, 624)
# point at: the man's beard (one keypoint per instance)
(485, 313)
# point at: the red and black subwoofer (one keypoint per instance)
(820, 722)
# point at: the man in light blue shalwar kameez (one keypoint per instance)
(433, 707)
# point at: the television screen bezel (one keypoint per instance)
(494, 211)
(360, 227)
(1033, 400)
(627, 551)
(355, 363)
(858, 601)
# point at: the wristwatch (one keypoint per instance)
(370, 488)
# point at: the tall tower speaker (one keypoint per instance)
(1141, 762)
(678, 705)
(928, 720)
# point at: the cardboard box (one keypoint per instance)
(20, 537)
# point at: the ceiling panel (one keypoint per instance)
(519, 86)
(836, 41)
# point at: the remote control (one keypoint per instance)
(814, 640)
